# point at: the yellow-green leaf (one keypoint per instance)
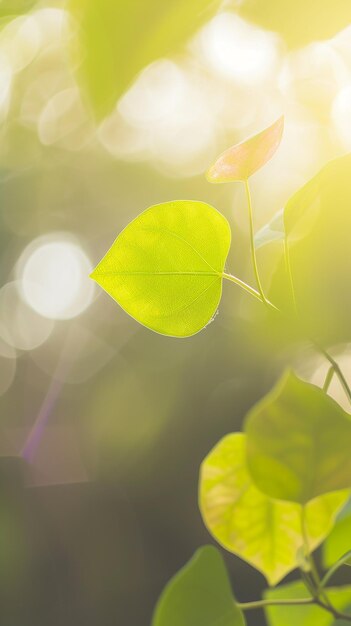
(318, 224)
(244, 159)
(117, 39)
(199, 595)
(299, 22)
(298, 442)
(339, 542)
(166, 268)
(264, 532)
(340, 598)
(15, 7)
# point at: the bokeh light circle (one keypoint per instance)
(54, 277)
(238, 50)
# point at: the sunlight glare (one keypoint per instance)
(239, 50)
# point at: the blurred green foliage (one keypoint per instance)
(317, 223)
(199, 594)
(338, 542)
(9, 8)
(297, 416)
(264, 532)
(117, 39)
(298, 22)
(305, 616)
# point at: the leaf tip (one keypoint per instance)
(211, 175)
(93, 275)
(240, 161)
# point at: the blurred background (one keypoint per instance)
(106, 108)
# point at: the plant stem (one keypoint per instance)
(337, 370)
(308, 555)
(234, 279)
(328, 378)
(259, 295)
(253, 292)
(320, 595)
(337, 614)
(252, 242)
(335, 568)
(307, 580)
(261, 604)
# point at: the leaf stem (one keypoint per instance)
(335, 568)
(252, 242)
(328, 378)
(259, 295)
(253, 292)
(336, 367)
(261, 604)
(320, 595)
(234, 279)
(337, 614)
(308, 555)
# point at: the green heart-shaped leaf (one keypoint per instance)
(298, 442)
(165, 269)
(199, 595)
(340, 598)
(264, 532)
(244, 159)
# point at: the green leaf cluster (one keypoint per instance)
(274, 493)
(265, 532)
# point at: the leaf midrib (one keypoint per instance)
(155, 273)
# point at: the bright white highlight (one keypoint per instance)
(239, 50)
(174, 127)
(54, 274)
(20, 42)
(162, 87)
